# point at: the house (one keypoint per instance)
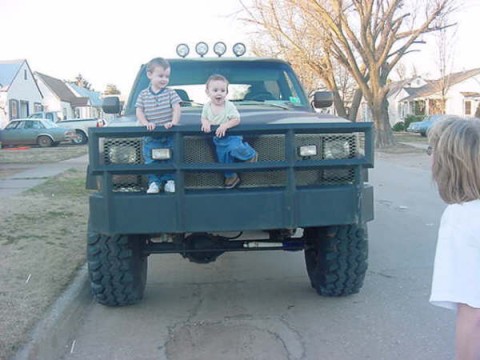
(398, 91)
(20, 94)
(59, 97)
(94, 110)
(457, 93)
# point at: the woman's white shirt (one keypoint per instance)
(456, 272)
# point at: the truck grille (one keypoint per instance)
(271, 148)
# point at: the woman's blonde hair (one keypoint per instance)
(455, 145)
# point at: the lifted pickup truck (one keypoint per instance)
(307, 192)
(80, 126)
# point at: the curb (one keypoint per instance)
(51, 337)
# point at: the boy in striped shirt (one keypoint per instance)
(158, 105)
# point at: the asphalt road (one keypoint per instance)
(261, 305)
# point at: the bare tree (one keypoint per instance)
(82, 82)
(368, 38)
(284, 30)
(445, 49)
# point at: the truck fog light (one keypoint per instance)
(201, 48)
(307, 150)
(239, 49)
(161, 154)
(219, 48)
(183, 50)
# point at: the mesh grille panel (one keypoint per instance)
(329, 146)
(199, 149)
(324, 177)
(269, 147)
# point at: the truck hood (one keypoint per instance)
(250, 115)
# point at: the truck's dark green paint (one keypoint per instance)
(319, 204)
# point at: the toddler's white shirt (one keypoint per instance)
(456, 272)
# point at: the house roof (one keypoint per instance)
(435, 86)
(8, 71)
(94, 96)
(59, 87)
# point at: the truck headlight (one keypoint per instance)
(123, 154)
(336, 149)
(307, 150)
(161, 154)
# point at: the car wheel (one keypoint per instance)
(81, 138)
(423, 134)
(336, 258)
(117, 268)
(44, 141)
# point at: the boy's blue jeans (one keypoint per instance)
(230, 148)
(149, 143)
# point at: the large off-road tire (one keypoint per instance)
(117, 268)
(336, 258)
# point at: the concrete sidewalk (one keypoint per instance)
(37, 174)
(51, 337)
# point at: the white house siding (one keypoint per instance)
(51, 102)
(3, 109)
(456, 100)
(24, 89)
(396, 109)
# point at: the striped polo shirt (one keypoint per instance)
(157, 107)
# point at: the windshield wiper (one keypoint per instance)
(256, 102)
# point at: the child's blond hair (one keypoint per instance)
(455, 146)
(217, 77)
(155, 62)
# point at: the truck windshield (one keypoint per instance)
(250, 82)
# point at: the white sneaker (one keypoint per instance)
(153, 188)
(170, 186)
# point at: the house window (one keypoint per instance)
(419, 107)
(37, 107)
(25, 77)
(468, 107)
(13, 106)
(24, 110)
(436, 106)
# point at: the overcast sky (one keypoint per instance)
(107, 40)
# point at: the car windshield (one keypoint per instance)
(12, 125)
(268, 82)
(49, 124)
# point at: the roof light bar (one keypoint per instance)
(201, 48)
(183, 50)
(239, 49)
(219, 48)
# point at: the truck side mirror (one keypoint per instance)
(111, 105)
(322, 99)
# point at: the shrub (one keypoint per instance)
(399, 126)
(412, 118)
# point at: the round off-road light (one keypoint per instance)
(183, 50)
(201, 48)
(219, 48)
(239, 49)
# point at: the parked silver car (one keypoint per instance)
(422, 127)
(34, 132)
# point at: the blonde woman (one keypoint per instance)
(455, 148)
